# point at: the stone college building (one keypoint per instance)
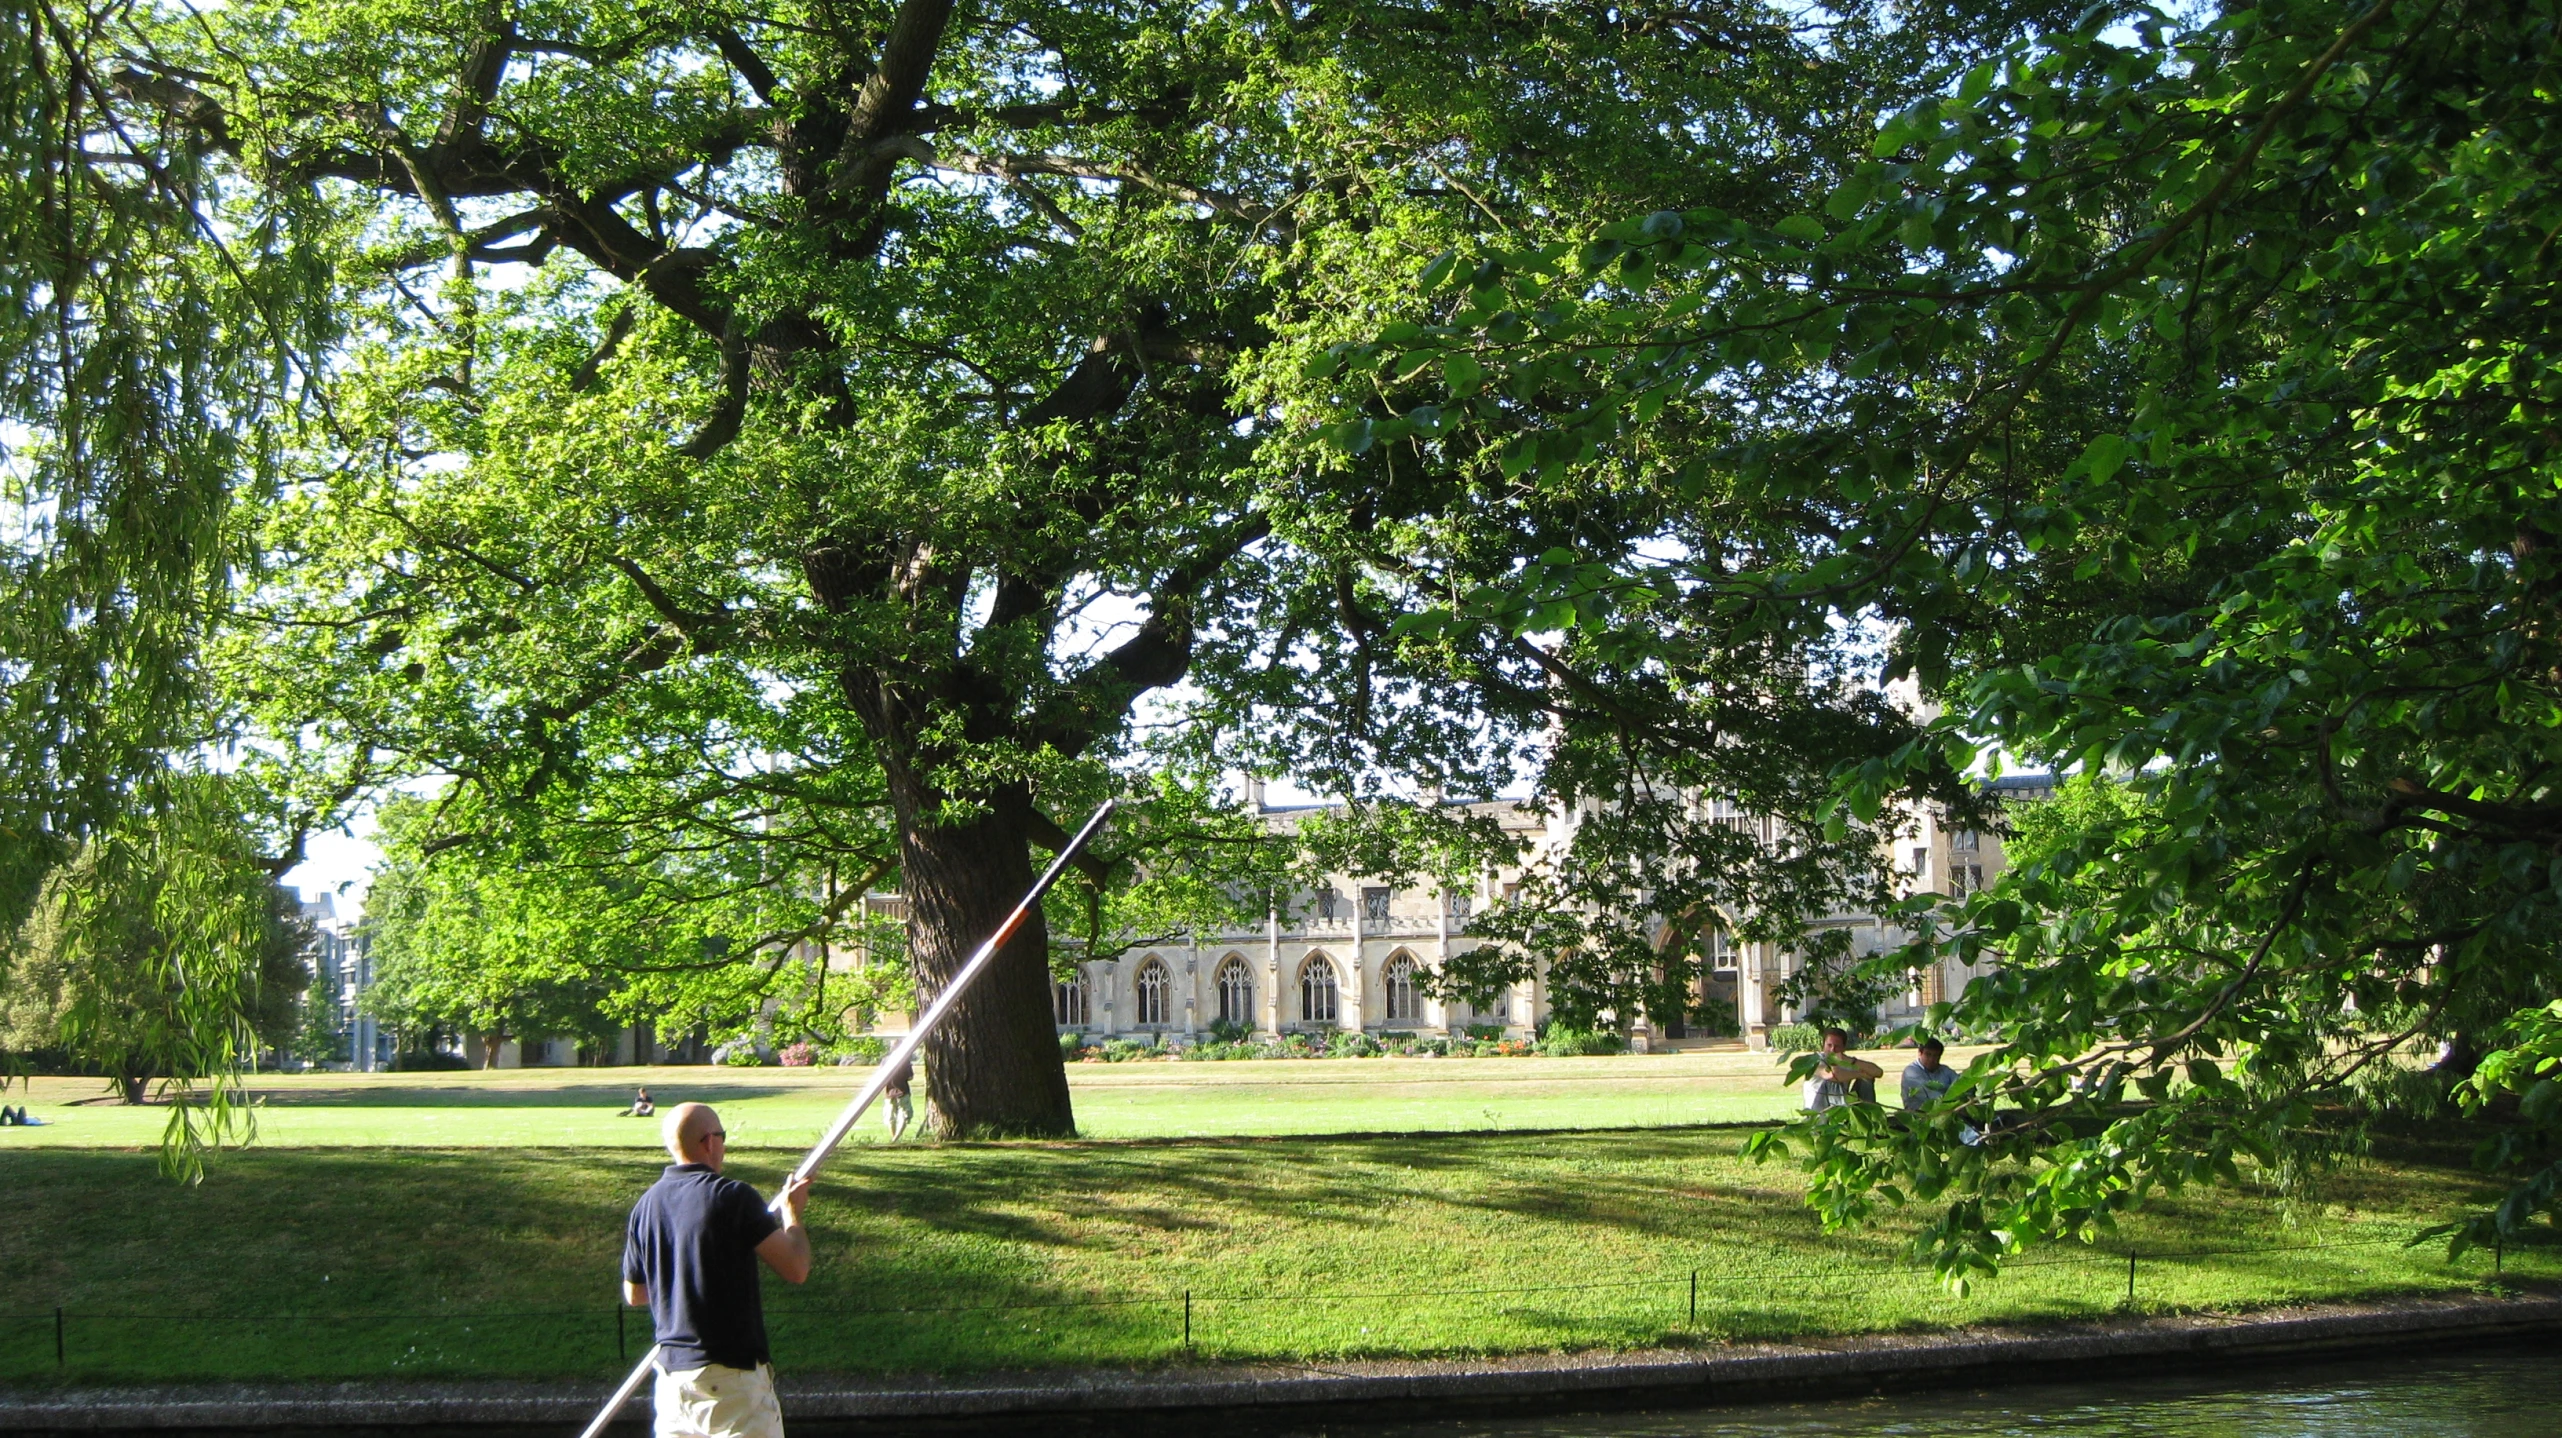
(1354, 954)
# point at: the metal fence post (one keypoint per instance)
(1694, 1298)
(58, 1359)
(2130, 1275)
(1187, 1319)
(2495, 1257)
(622, 1346)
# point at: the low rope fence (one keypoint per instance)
(1756, 1295)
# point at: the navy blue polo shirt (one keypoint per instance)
(692, 1243)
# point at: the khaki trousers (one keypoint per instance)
(717, 1402)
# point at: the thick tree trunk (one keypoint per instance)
(992, 1069)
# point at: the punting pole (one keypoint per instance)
(904, 1052)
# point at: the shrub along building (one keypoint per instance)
(1357, 954)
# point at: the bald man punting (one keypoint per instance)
(690, 1254)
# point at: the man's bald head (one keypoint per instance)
(693, 1134)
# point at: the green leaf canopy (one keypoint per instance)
(2173, 403)
(810, 431)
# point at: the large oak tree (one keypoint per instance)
(778, 445)
(823, 423)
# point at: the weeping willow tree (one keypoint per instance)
(161, 954)
(149, 329)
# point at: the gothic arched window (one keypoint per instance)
(1236, 991)
(1156, 988)
(1404, 1007)
(1067, 998)
(1317, 990)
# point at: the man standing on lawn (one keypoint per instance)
(690, 1253)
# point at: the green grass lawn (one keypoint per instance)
(790, 1107)
(411, 1261)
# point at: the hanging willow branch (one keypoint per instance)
(148, 328)
(153, 333)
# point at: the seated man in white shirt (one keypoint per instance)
(1839, 1077)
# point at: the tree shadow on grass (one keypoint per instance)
(310, 1264)
(421, 1262)
(1473, 1192)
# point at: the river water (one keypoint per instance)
(2508, 1392)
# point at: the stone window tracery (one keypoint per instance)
(1156, 988)
(1235, 982)
(1404, 1005)
(1318, 990)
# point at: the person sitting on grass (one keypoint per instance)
(690, 1254)
(1926, 1079)
(1840, 1078)
(641, 1106)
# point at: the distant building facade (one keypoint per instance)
(342, 969)
(1357, 954)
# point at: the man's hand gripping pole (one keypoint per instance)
(904, 1052)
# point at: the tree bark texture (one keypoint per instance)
(992, 1069)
